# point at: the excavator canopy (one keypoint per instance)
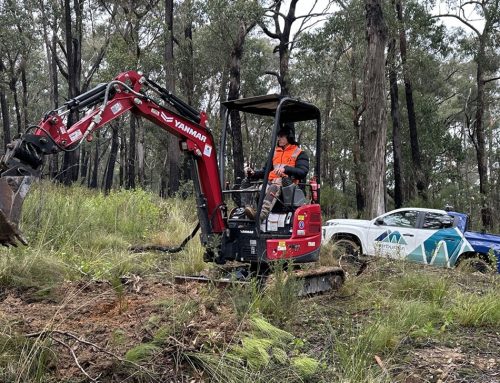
(292, 110)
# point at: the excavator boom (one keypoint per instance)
(23, 159)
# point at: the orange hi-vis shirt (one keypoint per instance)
(286, 156)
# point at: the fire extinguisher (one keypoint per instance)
(314, 189)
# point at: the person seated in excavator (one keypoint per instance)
(290, 166)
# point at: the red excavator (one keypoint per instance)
(292, 232)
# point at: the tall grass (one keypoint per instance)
(75, 232)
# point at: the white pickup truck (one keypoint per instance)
(430, 236)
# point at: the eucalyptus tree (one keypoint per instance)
(18, 40)
(278, 25)
(486, 57)
(374, 124)
(232, 22)
(410, 105)
(339, 45)
(173, 151)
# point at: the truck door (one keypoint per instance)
(437, 242)
(393, 235)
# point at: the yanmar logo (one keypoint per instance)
(190, 131)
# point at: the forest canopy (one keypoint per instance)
(408, 90)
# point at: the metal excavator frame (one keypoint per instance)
(225, 237)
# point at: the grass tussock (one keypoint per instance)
(23, 359)
(472, 311)
(76, 233)
(266, 353)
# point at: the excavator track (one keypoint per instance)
(13, 190)
(315, 280)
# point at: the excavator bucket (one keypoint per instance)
(13, 191)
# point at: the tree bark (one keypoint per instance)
(94, 183)
(131, 153)
(283, 36)
(233, 94)
(5, 119)
(110, 168)
(357, 110)
(4, 107)
(421, 182)
(24, 87)
(73, 36)
(374, 124)
(396, 125)
(13, 89)
(169, 179)
(480, 138)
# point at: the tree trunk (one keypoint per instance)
(141, 171)
(73, 37)
(173, 152)
(327, 171)
(234, 94)
(94, 183)
(421, 183)
(13, 89)
(4, 107)
(5, 118)
(131, 153)
(480, 139)
(24, 87)
(374, 124)
(356, 150)
(110, 168)
(282, 33)
(123, 159)
(396, 125)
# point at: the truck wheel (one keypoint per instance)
(474, 264)
(346, 246)
(348, 252)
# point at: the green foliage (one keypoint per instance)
(264, 354)
(75, 232)
(472, 311)
(305, 366)
(23, 359)
(422, 286)
(278, 299)
(142, 352)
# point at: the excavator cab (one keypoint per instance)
(292, 230)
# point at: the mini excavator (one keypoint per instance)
(291, 233)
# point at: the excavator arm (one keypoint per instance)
(128, 92)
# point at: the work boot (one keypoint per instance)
(250, 212)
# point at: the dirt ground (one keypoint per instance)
(108, 321)
(113, 321)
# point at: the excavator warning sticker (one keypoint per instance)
(311, 244)
(207, 151)
(75, 135)
(300, 217)
(281, 246)
(116, 108)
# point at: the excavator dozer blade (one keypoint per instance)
(13, 191)
(322, 279)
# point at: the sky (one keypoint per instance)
(441, 7)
